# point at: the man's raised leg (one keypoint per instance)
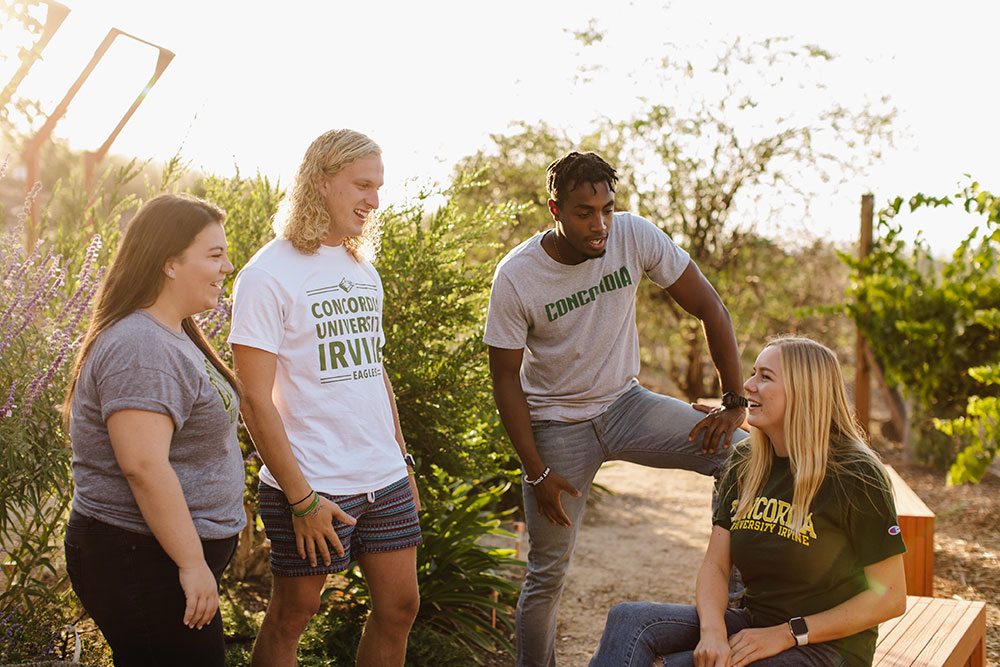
(392, 579)
(294, 601)
(650, 429)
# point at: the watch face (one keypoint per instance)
(798, 625)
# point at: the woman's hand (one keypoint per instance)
(201, 595)
(712, 651)
(314, 530)
(754, 644)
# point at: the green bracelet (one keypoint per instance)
(309, 509)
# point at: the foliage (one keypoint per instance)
(40, 326)
(705, 157)
(980, 426)
(928, 321)
(435, 305)
(461, 581)
(250, 203)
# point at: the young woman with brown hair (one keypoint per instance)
(152, 414)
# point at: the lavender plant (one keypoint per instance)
(42, 309)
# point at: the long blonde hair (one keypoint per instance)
(821, 433)
(302, 217)
(162, 229)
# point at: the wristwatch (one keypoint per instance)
(409, 460)
(731, 399)
(799, 630)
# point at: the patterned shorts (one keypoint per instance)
(387, 521)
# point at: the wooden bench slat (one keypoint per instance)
(934, 633)
(886, 652)
(963, 642)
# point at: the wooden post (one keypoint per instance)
(862, 380)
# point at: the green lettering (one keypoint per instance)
(337, 350)
(354, 347)
(572, 302)
(550, 312)
(624, 276)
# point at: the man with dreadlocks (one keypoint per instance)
(572, 402)
(337, 484)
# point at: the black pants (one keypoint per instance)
(130, 587)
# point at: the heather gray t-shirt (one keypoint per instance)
(577, 323)
(137, 363)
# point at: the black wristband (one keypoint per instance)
(303, 500)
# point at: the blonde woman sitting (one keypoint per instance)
(806, 515)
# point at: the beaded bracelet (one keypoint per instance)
(309, 509)
(535, 482)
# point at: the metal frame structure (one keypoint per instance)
(30, 154)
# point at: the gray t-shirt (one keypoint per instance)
(139, 364)
(577, 323)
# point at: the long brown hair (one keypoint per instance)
(162, 229)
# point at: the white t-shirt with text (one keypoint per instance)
(321, 315)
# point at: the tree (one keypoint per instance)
(703, 167)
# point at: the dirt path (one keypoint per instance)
(646, 542)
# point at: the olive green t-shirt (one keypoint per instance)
(851, 524)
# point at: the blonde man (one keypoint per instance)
(337, 484)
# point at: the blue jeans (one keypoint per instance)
(639, 632)
(130, 587)
(641, 427)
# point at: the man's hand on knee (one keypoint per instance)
(718, 425)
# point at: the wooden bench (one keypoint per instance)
(916, 522)
(934, 632)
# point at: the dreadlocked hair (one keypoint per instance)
(575, 168)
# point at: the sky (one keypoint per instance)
(252, 82)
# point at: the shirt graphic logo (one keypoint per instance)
(609, 283)
(894, 530)
(225, 391)
(770, 515)
(348, 331)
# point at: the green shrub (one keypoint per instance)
(927, 321)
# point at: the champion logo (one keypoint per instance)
(894, 530)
